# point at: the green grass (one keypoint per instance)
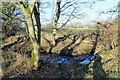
(114, 74)
(67, 29)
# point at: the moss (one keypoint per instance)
(105, 55)
(32, 57)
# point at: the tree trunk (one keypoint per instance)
(96, 41)
(57, 15)
(37, 26)
(35, 42)
(34, 29)
(32, 18)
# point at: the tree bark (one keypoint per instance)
(35, 42)
(57, 15)
(32, 18)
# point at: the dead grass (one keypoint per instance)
(22, 65)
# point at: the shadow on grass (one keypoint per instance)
(57, 41)
(68, 50)
(98, 71)
(71, 71)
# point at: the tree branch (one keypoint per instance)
(6, 15)
(68, 6)
(68, 18)
(32, 5)
(17, 5)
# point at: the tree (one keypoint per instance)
(57, 15)
(64, 12)
(10, 24)
(32, 17)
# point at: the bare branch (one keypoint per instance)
(68, 18)
(17, 5)
(32, 4)
(6, 15)
(65, 4)
(64, 8)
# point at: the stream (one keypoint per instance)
(57, 59)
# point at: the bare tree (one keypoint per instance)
(32, 18)
(10, 24)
